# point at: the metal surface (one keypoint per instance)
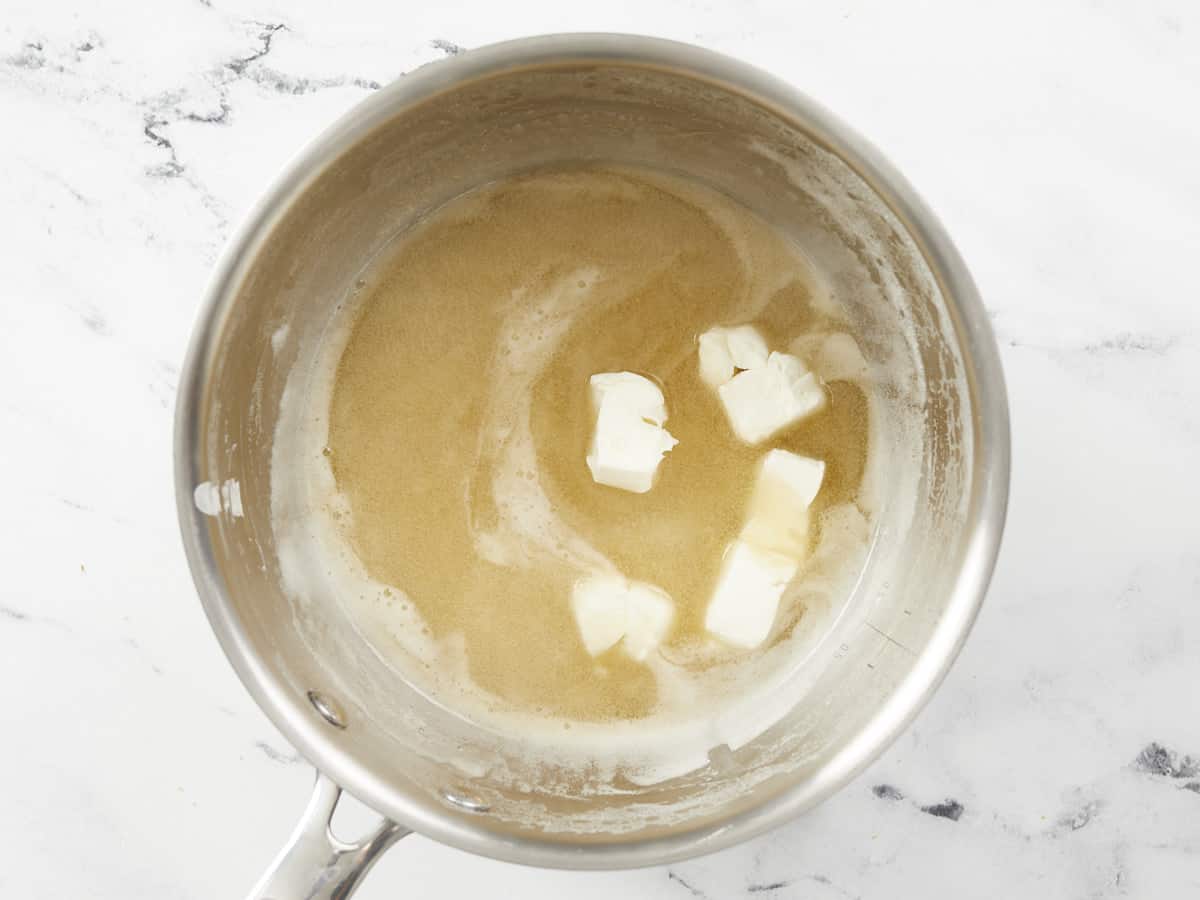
(315, 865)
(380, 166)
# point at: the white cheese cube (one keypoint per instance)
(626, 450)
(635, 393)
(629, 441)
(724, 350)
(716, 362)
(599, 604)
(650, 613)
(792, 479)
(608, 608)
(786, 486)
(747, 347)
(751, 404)
(761, 402)
(743, 606)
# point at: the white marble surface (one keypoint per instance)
(1059, 142)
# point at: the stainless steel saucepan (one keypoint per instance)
(941, 463)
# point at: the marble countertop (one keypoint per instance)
(1060, 144)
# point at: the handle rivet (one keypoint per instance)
(464, 802)
(328, 708)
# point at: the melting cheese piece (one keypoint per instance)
(743, 607)
(611, 607)
(768, 553)
(725, 350)
(786, 486)
(762, 402)
(762, 392)
(600, 611)
(650, 613)
(629, 440)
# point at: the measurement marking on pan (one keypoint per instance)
(883, 634)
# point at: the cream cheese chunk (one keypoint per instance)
(650, 613)
(786, 486)
(769, 551)
(609, 608)
(629, 439)
(743, 607)
(761, 402)
(725, 350)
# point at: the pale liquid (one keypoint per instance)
(459, 422)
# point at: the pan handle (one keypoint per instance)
(315, 865)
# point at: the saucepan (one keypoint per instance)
(941, 466)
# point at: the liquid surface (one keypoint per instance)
(458, 422)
